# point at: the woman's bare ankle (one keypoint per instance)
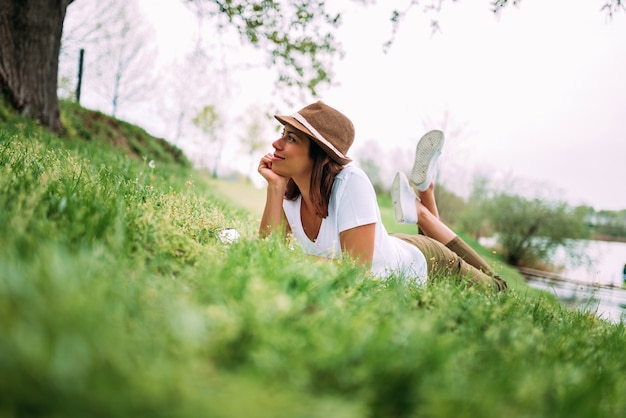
(427, 198)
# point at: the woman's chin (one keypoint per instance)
(278, 171)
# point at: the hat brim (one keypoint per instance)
(290, 120)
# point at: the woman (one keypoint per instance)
(330, 208)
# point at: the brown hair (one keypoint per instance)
(322, 178)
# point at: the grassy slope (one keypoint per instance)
(118, 299)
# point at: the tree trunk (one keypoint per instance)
(30, 42)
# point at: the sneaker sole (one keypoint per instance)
(427, 147)
(395, 198)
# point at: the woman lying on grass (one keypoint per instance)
(330, 208)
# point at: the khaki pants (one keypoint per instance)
(456, 258)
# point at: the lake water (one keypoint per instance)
(606, 263)
(594, 284)
(606, 303)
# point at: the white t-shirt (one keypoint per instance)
(353, 203)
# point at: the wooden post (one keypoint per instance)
(80, 74)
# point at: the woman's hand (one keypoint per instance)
(265, 170)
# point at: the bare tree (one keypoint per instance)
(125, 65)
(255, 137)
(88, 24)
(209, 121)
(187, 86)
(119, 56)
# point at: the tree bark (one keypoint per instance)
(30, 42)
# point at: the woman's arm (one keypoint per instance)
(358, 243)
(273, 218)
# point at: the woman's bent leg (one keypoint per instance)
(467, 253)
(445, 261)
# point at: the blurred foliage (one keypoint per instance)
(608, 224)
(530, 230)
(450, 205)
(298, 36)
(473, 219)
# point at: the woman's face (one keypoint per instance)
(291, 155)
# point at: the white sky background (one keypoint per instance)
(538, 92)
(541, 90)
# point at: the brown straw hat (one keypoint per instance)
(328, 127)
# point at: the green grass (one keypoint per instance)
(118, 299)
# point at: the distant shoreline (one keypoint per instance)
(608, 238)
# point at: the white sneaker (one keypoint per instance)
(427, 153)
(403, 198)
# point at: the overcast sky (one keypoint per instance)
(536, 94)
(540, 92)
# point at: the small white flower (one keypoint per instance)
(151, 164)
